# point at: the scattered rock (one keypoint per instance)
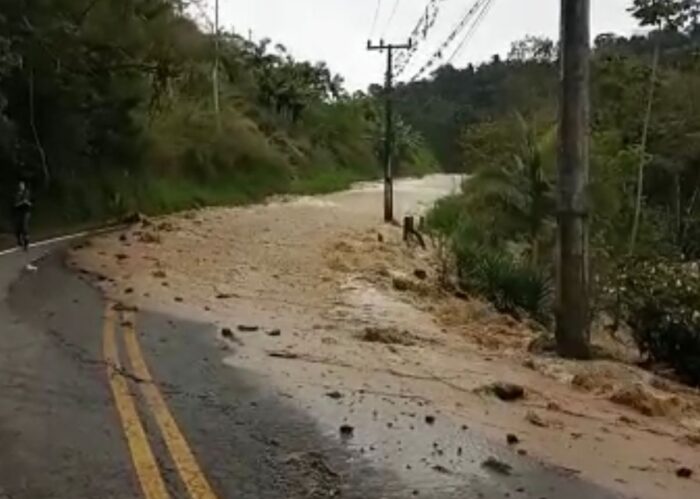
(684, 472)
(627, 420)
(121, 256)
(128, 291)
(430, 419)
(159, 274)
(165, 227)
(283, 355)
(123, 238)
(227, 333)
(553, 406)
(497, 466)
(179, 299)
(134, 218)
(441, 469)
(512, 439)
(335, 394)
(274, 332)
(420, 274)
(522, 452)
(225, 296)
(347, 431)
(508, 392)
(248, 329)
(150, 238)
(380, 237)
(535, 419)
(401, 283)
(389, 336)
(121, 307)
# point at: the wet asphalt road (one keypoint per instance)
(81, 419)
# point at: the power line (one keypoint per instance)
(463, 23)
(391, 16)
(472, 29)
(376, 17)
(420, 32)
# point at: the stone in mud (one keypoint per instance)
(507, 392)
(535, 419)
(243, 328)
(684, 472)
(497, 466)
(401, 283)
(441, 469)
(283, 355)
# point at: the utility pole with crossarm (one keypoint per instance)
(389, 125)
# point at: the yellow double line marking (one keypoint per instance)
(147, 469)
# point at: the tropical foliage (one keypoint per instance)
(108, 106)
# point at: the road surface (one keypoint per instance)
(98, 401)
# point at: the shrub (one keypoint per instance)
(513, 288)
(662, 305)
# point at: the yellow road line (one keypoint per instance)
(186, 463)
(147, 470)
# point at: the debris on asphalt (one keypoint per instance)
(283, 354)
(389, 336)
(121, 307)
(149, 238)
(508, 392)
(497, 466)
(512, 439)
(441, 469)
(535, 419)
(684, 472)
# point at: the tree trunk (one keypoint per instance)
(35, 131)
(642, 153)
(572, 304)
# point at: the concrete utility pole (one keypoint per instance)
(389, 126)
(572, 290)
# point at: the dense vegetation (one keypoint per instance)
(499, 123)
(108, 106)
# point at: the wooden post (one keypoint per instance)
(572, 292)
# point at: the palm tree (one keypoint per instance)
(520, 188)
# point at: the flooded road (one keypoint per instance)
(296, 306)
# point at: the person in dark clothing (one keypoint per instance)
(22, 212)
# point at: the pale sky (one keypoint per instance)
(336, 31)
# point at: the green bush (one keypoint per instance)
(511, 286)
(662, 305)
